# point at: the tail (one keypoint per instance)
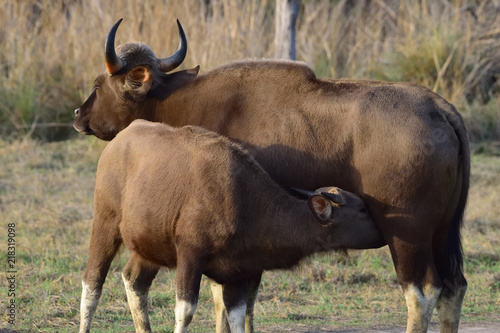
(452, 270)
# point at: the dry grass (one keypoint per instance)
(47, 190)
(52, 50)
(457, 57)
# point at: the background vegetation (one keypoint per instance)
(52, 50)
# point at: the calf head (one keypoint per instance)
(134, 81)
(347, 215)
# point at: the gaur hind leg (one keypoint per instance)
(253, 290)
(419, 280)
(222, 324)
(104, 244)
(449, 306)
(235, 302)
(137, 276)
(448, 256)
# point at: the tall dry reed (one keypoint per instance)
(52, 50)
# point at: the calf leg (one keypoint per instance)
(188, 277)
(88, 305)
(105, 241)
(137, 277)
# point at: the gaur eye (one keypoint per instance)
(363, 210)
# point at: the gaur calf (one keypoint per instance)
(192, 199)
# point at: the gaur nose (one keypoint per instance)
(77, 112)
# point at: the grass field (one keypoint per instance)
(46, 190)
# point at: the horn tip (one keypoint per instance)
(118, 23)
(179, 27)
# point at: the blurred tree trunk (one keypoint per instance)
(284, 38)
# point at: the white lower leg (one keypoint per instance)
(420, 305)
(184, 312)
(449, 306)
(138, 303)
(236, 318)
(88, 305)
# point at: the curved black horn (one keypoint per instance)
(303, 193)
(113, 63)
(334, 197)
(167, 64)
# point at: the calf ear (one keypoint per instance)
(321, 208)
(138, 81)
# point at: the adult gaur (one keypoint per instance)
(400, 147)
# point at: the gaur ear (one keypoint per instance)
(138, 81)
(179, 79)
(321, 208)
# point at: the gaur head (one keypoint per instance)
(134, 80)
